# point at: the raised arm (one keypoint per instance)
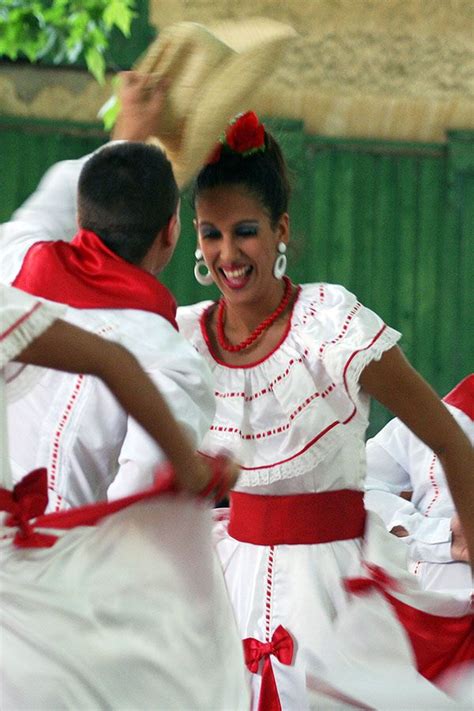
(48, 214)
(394, 383)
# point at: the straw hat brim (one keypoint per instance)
(198, 115)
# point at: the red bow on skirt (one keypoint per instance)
(281, 646)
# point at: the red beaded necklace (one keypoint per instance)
(221, 337)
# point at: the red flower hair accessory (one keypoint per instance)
(244, 135)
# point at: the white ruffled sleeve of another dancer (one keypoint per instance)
(22, 319)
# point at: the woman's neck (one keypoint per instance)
(245, 323)
(241, 319)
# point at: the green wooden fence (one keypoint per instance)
(393, 222)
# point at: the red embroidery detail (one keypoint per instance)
(417, 567)
(268, 592)
(434, 483)
(54, 459)
(268, 388)
(275, 430)
(53, 466)
(311, 310)
(344, 328)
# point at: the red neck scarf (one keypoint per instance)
(85, 274)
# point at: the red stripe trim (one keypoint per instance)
(333, 424)
(269, 388)
(19, 321)
(352, 356)
(64, 419)
(263, 434)
(269, 594)
(434, 484)
(57, 437)
(345, 327)
(298, 519)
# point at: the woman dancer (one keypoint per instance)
(310, 574)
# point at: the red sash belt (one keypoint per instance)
(300, 518)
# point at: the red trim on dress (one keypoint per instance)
(54, 457)
(345, 327)
(325, 430)
(269, 387)
(72, 401)
(434, 484)
(268, 593)
(205, 335)
(263, 434)
(19, 321)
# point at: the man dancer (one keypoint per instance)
(399, 466)
(127, 211)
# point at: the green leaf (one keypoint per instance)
(63, 29)
(95, 64)
(109, 112)
(117, 13)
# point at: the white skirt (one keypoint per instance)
(130, 614)
(350, 651)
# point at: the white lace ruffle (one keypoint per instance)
(22, 319)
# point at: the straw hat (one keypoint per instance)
(212, 77)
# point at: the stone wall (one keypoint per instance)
(394, 69)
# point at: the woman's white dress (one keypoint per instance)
(129, 612)
(296, 422)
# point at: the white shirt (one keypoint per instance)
(397, 461)
(70, 423)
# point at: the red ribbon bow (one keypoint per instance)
(282, 647)
(377, 579)
(28, 500)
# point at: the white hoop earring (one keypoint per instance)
(203, 278)
(279, 268)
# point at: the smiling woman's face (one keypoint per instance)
(239, 244)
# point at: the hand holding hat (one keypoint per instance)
(141, 104)
(210, 80)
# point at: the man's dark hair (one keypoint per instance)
(126, 195)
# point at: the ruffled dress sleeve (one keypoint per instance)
(22, 319)
(353, 335)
